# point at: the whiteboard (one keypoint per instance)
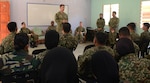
(42, 14)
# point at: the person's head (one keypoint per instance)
(81, 24)
(52, 23)
(59, 66)
(114, 13)
(21, 41)
(23, 24)
(131, 26)
(62, 7)
(101, 15)
(104, 67)
(124, 46)
(124, 32)
(51, 39)
(66, 27)
(12, 26)
(146, 26)
(100, 38)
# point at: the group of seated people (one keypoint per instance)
(57, 64)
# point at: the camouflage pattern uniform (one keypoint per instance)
(18, 61)
(135, 36)
(84, 66)
(51, 28)
(8, 43)
(133, 69)
(114, 23)
(33, 37)
(68, 41)
(100, 24)
(112, 38)
(59, 17)
(80, 34)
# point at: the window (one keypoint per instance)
(107, 11)
(145, 12)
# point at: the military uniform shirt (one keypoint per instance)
(114, 22)
(8, 43)
(68, 41)
(100, 23)
(135, 36)
(80, 33)
(59, 17)
(84, 66)
(133, 69)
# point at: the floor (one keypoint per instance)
(77, 52)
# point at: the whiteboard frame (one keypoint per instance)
(30, 25)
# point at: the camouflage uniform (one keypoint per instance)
(68, 41)
(135, 36)
(51, 28)
(84, 66)
(112, 38)
(18, 61)
(59, 17)
(80, 33)
(33, 37)
(8, 43)
(144, 42)
(114, 23)
(133, 69)
(100, 23)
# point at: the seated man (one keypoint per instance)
(19, 59)
(52, 26)
(8, 43)
(67, 40)
(31, 34)
(84, 66)
(80, 33)
(131, 68)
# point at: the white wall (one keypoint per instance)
(79, 10)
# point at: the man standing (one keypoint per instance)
(114, 21)
(61, 17)
(100, 23)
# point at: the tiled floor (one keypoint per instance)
(77, 52)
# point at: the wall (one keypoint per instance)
(79, 10)
(129, 11)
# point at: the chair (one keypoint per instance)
(21, 77)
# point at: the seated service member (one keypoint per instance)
(8, 43)
(52, 26)
(80, 33)
(67, 40)
(131, 68)
(51, 41)
(32, 35)
(19, 59)
(84, 66)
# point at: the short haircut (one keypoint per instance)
(62, 5)
(66, 27)
(22, 23)
(51, 39)
(147, 25)
(114, 12)
(124, 31)
(101, 37)
(12, 26)
(124, 46)
(132, 25)
(20, 41)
